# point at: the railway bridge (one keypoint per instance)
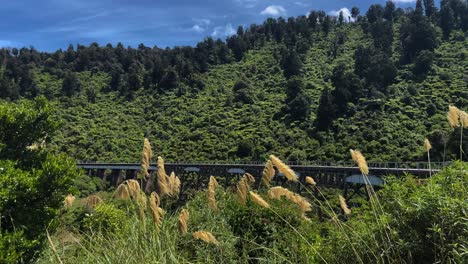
(328, 174)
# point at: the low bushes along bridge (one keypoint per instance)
(196, 174)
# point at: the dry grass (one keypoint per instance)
(258, 200)
(360, 160)
(310, 181)
(344, 206)
(146, 156)
(283, 168)
(464, 119)
(183, 221)
(173, 184)
(241, 190)
(278, 192)
(92, 201)
(211, 193)
(206, 237)
(162, 178)
(68, 201)
(133, 188)
(427, 145)
(156, 211)
(453, 116)
(268, 173)
(122, 192)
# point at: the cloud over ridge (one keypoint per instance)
(273, 10)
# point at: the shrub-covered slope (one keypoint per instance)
(213, 124)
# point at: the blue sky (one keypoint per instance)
(49, 25)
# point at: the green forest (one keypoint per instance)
(389, 82)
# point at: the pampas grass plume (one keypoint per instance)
(162, 178)
(453, 116)
(249, 177)
(146, 156)
(69, 200)
(464, 119)
(211, 193)
(183, 221)
(360, 160)
(92, 201)
(427, 145)
(206, 237)
(268, 173)
(156, 211)
(133, 188)
(258, 200)
(241, 188)
(310, 180)
(283, 168)
(343, 205)
(122, 192)
(278, 192)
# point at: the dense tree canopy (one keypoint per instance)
(33, 182)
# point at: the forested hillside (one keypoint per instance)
(304, 88)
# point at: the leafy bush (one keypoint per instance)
(33, 182)
(418, 223)
(105, 218)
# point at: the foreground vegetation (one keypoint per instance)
(413, 223)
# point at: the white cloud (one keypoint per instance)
(198, 28)
(223, 31)
(273, 10)
(346, 13)
(201, 24)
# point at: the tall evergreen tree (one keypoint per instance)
(429, 7)
(71, 84)
(354, 12)
(292, 64)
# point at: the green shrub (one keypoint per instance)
(418, 223)
(106, 219)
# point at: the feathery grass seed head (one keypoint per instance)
(211, 193)
(241, 190)
(453, 116)
(278, 192)
(268, 173)
(156, 211)
(283, 168)
(122, 192)
(133, 188)
(427, 145)
(310, 180)
(206, 237)
(183, 221)
(343, 205)
(163, 180)
(92, 201)
(464, 119)
(68, 201)
(258, 200)
(360, 160)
